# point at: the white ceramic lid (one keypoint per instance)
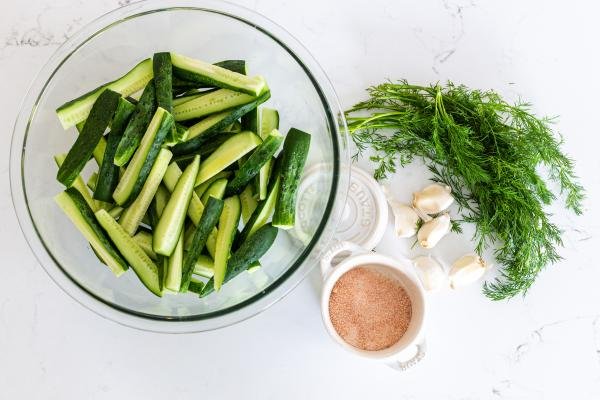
(365, 215)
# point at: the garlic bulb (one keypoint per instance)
(466, 270)
(432, 275)
(405, 217)
(433, 231)
(433, 199)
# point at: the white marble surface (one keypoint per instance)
(546, 346)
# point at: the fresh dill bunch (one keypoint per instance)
(490, 153)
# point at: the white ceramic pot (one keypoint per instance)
(344, 256)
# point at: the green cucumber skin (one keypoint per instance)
(108, 174)
(248, 253)
(249, 169)
(134, 214)
(142, 265)
(163, 76)
(273, 190)
(228, 223)
(214, 80)
(173, 216)
(162, 133)
(100, 116)
(88, 214)
(181, 85)
(250, 121)
(211, 103)
(143, 69)
(196, 143)
(269, 120)
(195, 287)
(209, 219)
(294, 154)
(144, 110)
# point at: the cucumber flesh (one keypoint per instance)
(133, 215)
(201, 189)
(82, 216)
(161, 198)
(249, 253)
(213, 75)
(216, 190)
(134, 132)
(251, 167)
(269, 120)
(76, 111)
(144, 240)
(143, 266)
(196, 207)
(204, 266)
(100, 116)
(116, 212)
(228, 223)
(249, 203)
(228, 153)
(171, 221)
(108, 171)
(219, 100)
(210, 217)
(211, 242)
(174, 267)
(294, 154)
(78, 184)
(206, 133)
(265, 207)
(138, 169)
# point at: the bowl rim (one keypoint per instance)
(264, 298)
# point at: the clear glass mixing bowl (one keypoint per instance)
(212, 31)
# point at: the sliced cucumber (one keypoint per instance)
(196, 286)
(163, 77)
(144, 240)
(207, 223)
(175, 267)
(219, 100)
(116, 212)
(138, 169)
(196, 207)
(78, 184)
(177, 135)
(249, 203)
(216, 190)
(269, 120)
(109, 172)
(201, 189)
(133, 215)
(228, 223)
(294, 154)
(132, 136)
(171, 221)
(100, 147)
(249, 252)
(236, 127)
(143, 266)
(76, 208)
(251, 167)
(265, 207)
(204, 267)
(161, 198)
(97, 122)
(228, 153)
(211, 242)
(77, 110)
(250, 121)
(213, 75)
(208, 129)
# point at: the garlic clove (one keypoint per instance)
(431, 232)
(466, 270)
(405, 218)
(433, 199)
(432, 274)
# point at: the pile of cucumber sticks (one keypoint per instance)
(178, 171)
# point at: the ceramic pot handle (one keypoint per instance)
(404, 365)
(338, 248)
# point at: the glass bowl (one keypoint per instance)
(109, 46)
